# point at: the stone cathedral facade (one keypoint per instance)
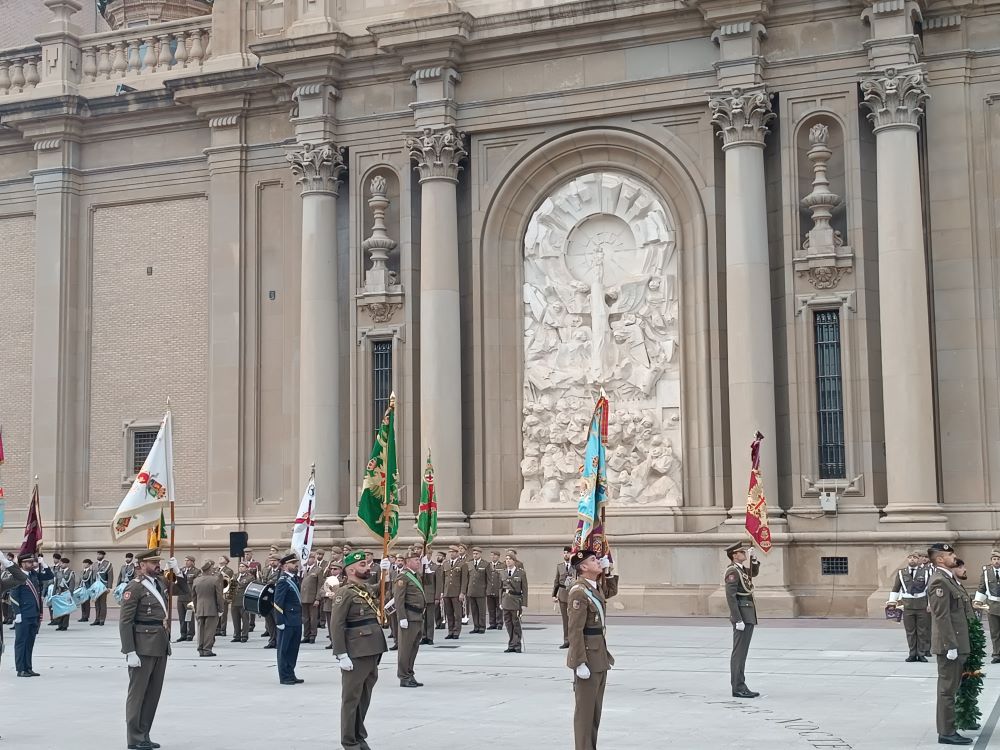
(731, 215)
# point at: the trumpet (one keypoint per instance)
(228, 590)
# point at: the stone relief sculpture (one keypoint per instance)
(600, 310)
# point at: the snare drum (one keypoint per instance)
(259, 598)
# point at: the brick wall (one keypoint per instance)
(149, 338)
(17, 300)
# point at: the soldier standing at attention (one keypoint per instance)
(185, 616)
(408, 592)
(241, 618)
(565, 576)
(106, 572)
(127, 571)
(146, 645)
(209, 602)
(428, 577)
(989, 591)
(87, 578)
(909, 590)
(227, 575)
(288, 619)
(588, 655)
(743, 567)
(456, 582)
(477, 571)
(311, 584)
(358, 644)
(949, 639)
(514, 585)
(65, 582)
(493, 591)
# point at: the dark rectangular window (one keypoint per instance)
(833, 566)
(829, 395)
(142, 443)
(381, 380)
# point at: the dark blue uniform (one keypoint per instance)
(27, 603)
(288, 612)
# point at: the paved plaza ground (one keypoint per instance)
(825, 685)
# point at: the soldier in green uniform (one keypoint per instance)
(742, 613)
(909, 592)
(146, 645)
(514, 585)
(588, 655)
(358, 644)
(949, 639)
(475, 595)
(988, 597)
(408, 592)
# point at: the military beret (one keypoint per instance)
(453, 548)
(477, 549)
(413, 554)
(206, 567)
(129, 555)
(288, 558)
(101, 552)
(939, 547)
(580, 555)
(151, 555)
(353, 557)
(187, 557)
(87, 561)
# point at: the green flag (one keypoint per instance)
(379, 506)
(427, 515)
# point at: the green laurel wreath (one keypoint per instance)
(967, 713)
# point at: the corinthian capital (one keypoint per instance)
(741, 116)
(896, 98)
(437, 152)
(317, 167)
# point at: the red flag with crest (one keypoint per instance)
(32, 527)
(756, 522)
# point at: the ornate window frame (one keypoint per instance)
(853, 484)
(129, 430)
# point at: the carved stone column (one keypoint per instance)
(895, 102)
(742, 119)
(437, 153)
(317, 168)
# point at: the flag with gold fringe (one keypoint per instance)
(378, 508)
(594, 484)
(156, 534)
(427, 513)
(756, 522)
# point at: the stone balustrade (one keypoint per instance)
(143, 50)
(20, 69)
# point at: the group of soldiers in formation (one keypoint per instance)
(426, 591)
(936, 608)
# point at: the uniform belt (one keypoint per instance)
(360, 623)
(593, 631)
(149, 622)
(412, 608)
(913, 596)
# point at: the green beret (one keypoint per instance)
(353, 557)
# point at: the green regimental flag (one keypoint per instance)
(427, 514)
(379, 506)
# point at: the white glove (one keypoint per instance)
(132, 660)
(3, 559)
(173, 565)
(384, 563)
(741, 626)
(952, 654)
(346, 665)
(404, 624)
(753, 553)
(281, 627)
(583, 672)
(604, 562)
(425, 560)
(17, 619)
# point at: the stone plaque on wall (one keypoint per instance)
(600, 310)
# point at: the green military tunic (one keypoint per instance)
(356, 633)
(143, 631)
(949, 631)
(587, 609)
(408, 592)
(739, 596)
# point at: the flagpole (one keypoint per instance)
(172, 579)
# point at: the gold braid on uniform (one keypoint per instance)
(365, 596)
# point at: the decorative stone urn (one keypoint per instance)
(121, 14)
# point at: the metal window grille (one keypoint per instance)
(142, 443)
(833, 566)
(829, 395)
(381, 380)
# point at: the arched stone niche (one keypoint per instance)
(601, 310)
(665, 170)
(390, 180)
(835, 170)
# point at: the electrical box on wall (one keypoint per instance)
(828, 501)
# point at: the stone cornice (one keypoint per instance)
(437, 152)
(317, 167)
(719, 13)
(741, 116)
(895, 98)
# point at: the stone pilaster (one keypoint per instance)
(894, 100)
(742, 117)
(317, 168)
(437, 154)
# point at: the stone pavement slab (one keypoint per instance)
(825, 685)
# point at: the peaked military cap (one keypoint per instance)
(732, 549)
(995, 553)
(940, 547)
(150, 555)
(26, 556)
(288, 558)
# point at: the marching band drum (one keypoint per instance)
(259, 598)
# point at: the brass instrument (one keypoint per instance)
(228, 589)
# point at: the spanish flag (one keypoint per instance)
(156, 533)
